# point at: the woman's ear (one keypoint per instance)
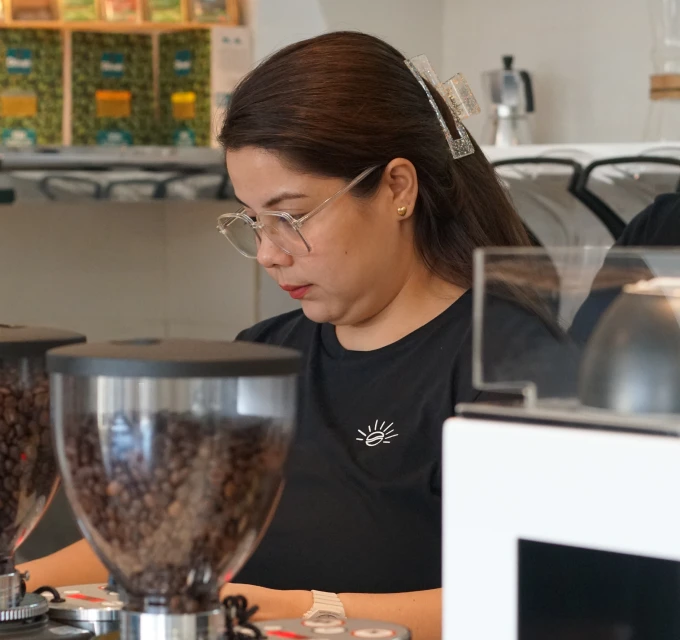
(402, 180)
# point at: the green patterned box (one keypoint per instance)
(185, 71)
(31, 66)
(113, 64)
(198, 71)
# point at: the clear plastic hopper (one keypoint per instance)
(28, 471)
(172, 454)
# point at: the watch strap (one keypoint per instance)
(327, 603)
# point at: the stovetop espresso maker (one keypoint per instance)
(511, 95)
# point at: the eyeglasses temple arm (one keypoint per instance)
(364, 174)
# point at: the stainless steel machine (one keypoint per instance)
(560, 485)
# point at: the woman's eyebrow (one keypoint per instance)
(272, 202)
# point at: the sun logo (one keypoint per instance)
(377, 435)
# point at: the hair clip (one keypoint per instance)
(458, 96)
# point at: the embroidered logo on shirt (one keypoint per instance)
(377, 435)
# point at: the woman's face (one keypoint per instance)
(361, 248)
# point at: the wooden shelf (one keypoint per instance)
(109, 27)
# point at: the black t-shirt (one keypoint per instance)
(361, 510)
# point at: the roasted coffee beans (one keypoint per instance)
(28, 471)
(172, 501)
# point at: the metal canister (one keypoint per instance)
(93, 607)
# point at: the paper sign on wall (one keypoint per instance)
(230, 59)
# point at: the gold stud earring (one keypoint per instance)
(402, 211)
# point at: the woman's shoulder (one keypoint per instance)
(657, 225)
(291, 329)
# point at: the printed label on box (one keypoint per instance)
(19, 61)
(184, 138)
(114, 138)
(18, 104)
(18, 138)
(112, 65)
(182, 63)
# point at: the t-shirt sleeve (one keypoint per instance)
(657, 225)
(285, 330)
(244, 336)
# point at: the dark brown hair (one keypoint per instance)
(341, 102)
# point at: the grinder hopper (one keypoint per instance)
(172, 455)
(28, 471)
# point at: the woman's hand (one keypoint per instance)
(273, 604)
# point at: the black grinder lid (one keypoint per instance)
(18, 341)
(173, 358)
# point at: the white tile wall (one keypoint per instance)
(116, 270)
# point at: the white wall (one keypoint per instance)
(590, 59)
(123, 270)
(410, 25)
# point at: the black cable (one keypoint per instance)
(237, 615)
(56, 597)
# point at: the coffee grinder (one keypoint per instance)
(28, 472)
(172, 455)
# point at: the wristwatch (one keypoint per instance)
(326, 605)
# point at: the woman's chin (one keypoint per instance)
(316, 311)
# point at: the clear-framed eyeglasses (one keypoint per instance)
(244, 228)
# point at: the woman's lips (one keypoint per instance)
(296, 292)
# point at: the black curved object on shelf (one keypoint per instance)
(158, 193)
(599, 206)
(7, 195)
(45, 185)
(226, 190)
(610, 219)
(576, 167)
(223, 191)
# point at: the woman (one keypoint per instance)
(340, 127)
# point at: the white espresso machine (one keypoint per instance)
(560, 487)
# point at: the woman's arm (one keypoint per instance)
(75, 564)
(420, 611)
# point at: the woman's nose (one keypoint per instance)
(269, 254)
